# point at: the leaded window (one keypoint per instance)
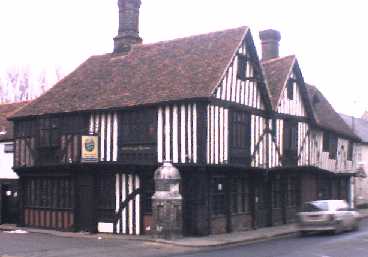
(138, 127)
(290, 152)
(49, 133)
(240, 132)
(9, 148)
(51, 193)
(242, 67)
(138, 136)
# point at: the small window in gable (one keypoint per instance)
(290, 89)
(242, 67)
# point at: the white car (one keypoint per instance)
(327, 215)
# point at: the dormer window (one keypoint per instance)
(290, 89)
(242, 67)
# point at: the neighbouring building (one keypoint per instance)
(8, 178)
(244, 134)
(360, 128)
(314, 143)
(333, 144)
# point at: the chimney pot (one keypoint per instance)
(270, 43)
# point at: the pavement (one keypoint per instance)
(243, 237)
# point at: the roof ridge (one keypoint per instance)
(191, 36)
(149, 74)
(343, 128)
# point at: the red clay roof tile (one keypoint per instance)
(173, 70)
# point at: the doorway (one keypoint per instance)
(86, 204)
(9, 203)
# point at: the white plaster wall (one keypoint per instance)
(361, 184)
(6, 163)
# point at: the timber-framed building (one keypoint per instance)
(8, 178)
(87, 149)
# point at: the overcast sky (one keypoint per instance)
(328, 37)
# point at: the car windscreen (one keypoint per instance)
(315, 206)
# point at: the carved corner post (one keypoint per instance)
(167, 203)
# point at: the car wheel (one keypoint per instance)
(338, 229)
(356, 226)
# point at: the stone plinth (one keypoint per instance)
(167, 203)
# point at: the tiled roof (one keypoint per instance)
(325, 115)
(277, 72)
(6, 127)
(358, 126)
(166, 71)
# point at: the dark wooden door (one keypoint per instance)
(195, 203)
(86, 204)
(9, 201)
(261, 204)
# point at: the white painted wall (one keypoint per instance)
(235, 90)
(296, 105)
(321, 159)
(361, 184)
(6, 163)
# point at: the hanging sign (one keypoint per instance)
(89, 149)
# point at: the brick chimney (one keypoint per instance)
(270, 43)
(128, 33)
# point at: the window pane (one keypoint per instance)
(9, 148)
(242, 64)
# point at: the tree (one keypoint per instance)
(42, 80)
(20, 84)
(59, 73)
(2, 92)
(24, 86)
